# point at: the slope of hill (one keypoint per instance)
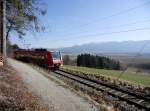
(14, 94)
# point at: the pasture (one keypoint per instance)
(138, 78)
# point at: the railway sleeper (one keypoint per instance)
(86, 83)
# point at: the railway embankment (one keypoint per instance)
(121, 99)
(56, 96)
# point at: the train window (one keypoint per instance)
(56, 55)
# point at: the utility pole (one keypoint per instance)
(3, 30)
(1, 27)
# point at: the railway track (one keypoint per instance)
(129, 97)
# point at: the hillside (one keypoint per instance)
(15, 96)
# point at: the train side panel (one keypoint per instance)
(41, 58)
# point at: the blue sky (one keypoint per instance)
(75, 22)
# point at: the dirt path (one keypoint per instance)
(58, 97)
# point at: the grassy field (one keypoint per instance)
(137, 78)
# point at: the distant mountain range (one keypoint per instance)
(110, 47)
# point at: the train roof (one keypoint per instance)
(36, 50)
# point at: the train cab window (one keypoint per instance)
(56, 55)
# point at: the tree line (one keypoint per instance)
(11, 48)
(69, 60)
(94, 61)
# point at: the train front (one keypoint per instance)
(57, 59)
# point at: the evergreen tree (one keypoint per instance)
(88, 60)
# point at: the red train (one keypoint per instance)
(41, 57)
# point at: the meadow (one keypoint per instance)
(138, 78)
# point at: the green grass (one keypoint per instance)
(137, 78)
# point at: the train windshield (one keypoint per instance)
(56, 55)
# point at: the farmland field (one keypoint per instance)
(138, 78)
(133, 62)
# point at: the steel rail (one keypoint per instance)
(111, 86)
(130, 98)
